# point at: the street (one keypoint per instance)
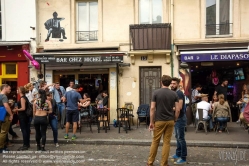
(118, 155)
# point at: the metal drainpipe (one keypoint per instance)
(172, 37)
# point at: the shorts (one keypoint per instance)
(72, 116)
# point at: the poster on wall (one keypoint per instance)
(54, 28)
(113, 80)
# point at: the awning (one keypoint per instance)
(214, 55)
(12, 43)
(61, 58)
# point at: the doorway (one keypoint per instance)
(150, 78)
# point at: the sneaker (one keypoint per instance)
(23, 148)
(173, 158)
(74, 137)
(180, 161)
(66, 136)
(238, 121)
(57, 145)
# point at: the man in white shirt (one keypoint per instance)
(71, 84)
(206, 110)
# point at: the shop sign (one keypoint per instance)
(79, 59)
(228, 56)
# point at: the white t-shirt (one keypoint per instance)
(205, 106)
(68, 89)
(31, 95)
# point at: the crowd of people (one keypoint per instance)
(48, 102)
(218, 110)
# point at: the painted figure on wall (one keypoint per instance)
(54, 28)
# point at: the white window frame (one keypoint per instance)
(88, 18)
(3, 19)
(218, 20)
(151, 8)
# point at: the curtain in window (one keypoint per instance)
(224, 16)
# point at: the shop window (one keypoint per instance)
(10, 69)
(150, 11)
(218, 17)
(87, 21)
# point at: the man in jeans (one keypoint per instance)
(181, 147)
(162, 119)
(4, 126)
(58, 92)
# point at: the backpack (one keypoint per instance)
(2, 111)
(29, 109)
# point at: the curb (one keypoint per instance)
(135, 142)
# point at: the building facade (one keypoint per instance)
(129, 44)
(17, 31)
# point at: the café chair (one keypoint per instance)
(102, 116)
(123, 118)
(143, 113)
(130, 107)
(85, 118)
(201, 121)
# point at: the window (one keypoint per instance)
(87, 21)
(150, 11)
(10, 69)
(218, 17)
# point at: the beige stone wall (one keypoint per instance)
(45, 10)
(190, 19)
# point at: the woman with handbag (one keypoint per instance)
(41, 108)
(23, 118)
(222, 112)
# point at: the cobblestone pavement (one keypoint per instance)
(118, 155)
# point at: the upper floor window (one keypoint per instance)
(150, 11)
(218, 17)
(87, 21)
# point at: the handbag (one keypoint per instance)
(2, 111)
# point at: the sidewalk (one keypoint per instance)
(237, 137)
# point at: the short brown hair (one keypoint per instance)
(176, 79)
(4, 86)
(166, 80)
(23, 90)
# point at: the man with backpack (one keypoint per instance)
(4, 126)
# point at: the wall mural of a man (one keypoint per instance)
(54, 28)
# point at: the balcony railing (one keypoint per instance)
(150, 36)
(86, 35)
(219, 29)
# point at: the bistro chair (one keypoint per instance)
(123, 118)
(85, 118)
(201, 121)
(130, 107)
(143, 113)
(102, 115)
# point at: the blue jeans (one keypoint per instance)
(222, 122)
(181, 149)
(243, 107)
(209, 119)
(53, 123)
(61, 107)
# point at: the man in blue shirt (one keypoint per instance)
(72, 98)
(180, 124)
(58, 92)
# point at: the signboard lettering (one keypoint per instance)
(79, 59)
(215, 57)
